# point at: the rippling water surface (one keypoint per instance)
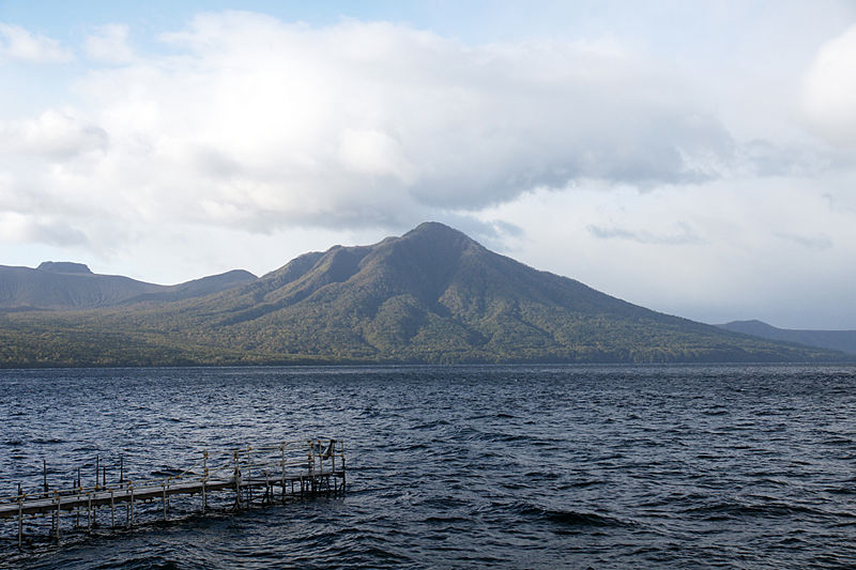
(515, 467)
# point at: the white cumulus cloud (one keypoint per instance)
(52, 135)
(109, 44)
(23, 228)
(830, 90)
(20, 44)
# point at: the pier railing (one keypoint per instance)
(242, 477)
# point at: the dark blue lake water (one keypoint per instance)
(512, 467)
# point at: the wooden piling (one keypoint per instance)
(204, 480)
(58, 514)
(131, 511)
(20, 517)
(237, 480)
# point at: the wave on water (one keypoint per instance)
(725, 510)
(570, 518)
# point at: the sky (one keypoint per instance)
(694, 157)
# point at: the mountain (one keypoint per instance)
(197, 287)
(844, 341)
(64, 285)
(432, 295)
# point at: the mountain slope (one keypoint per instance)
(845, 341)
(65, 285)
(431, 295)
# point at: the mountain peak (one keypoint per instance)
(436, 230)
(432, 227)
(437, 234)
(64, 267)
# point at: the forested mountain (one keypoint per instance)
(845, 341)
(432, 295)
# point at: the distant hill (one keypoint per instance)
(845, 341)
(197, 287)
(432, 295)
(66, 285)
(64, 267)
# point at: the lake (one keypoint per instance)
(465, 467)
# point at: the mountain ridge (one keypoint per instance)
(841, 340)
(67, 285)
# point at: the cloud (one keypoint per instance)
(109, 44)
(768, 248)
(254, 123)
(19, 44)
(21, 228)
(53, 135)
(812, 242)
(764, 158)
(829, 97)
(683, 236)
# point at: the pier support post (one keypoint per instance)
(131, 506)
(237, 480)
(204, 480)
(20, 517)
(58, 515)
(78, 489)
(282, 469)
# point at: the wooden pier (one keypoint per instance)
(253, 475)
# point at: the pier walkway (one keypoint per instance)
(263, 474)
